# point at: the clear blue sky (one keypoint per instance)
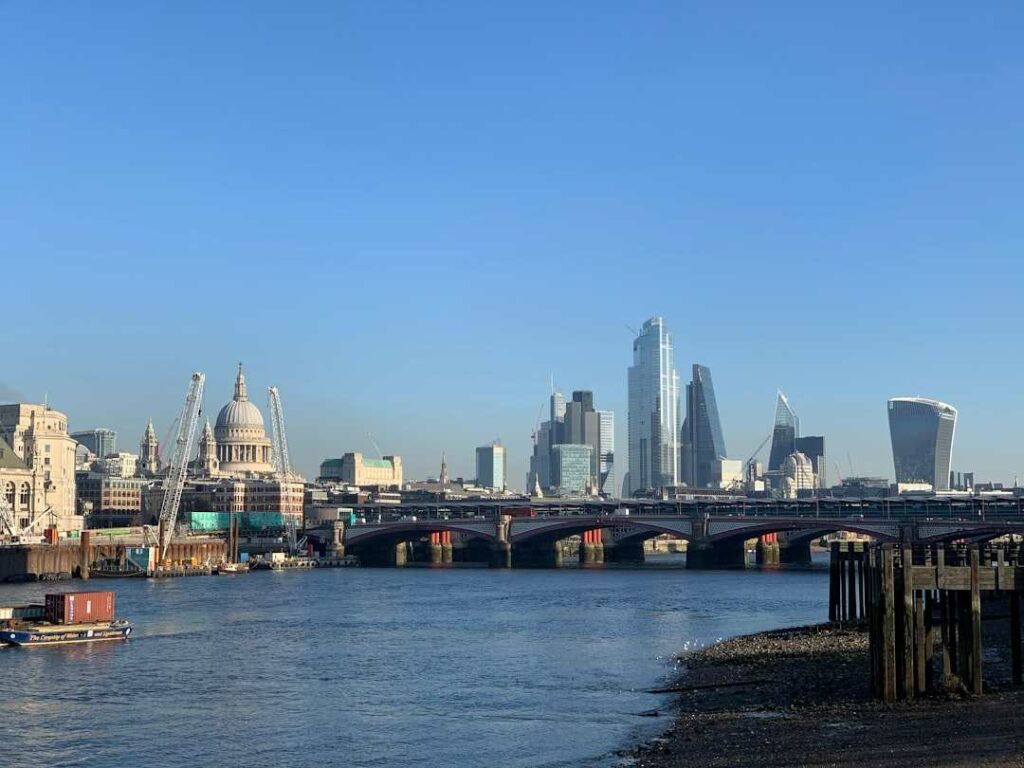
(408, 215)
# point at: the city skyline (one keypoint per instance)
(414, 240)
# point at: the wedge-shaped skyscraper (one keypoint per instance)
(702, 440)
(922, 440)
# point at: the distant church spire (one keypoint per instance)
(444, 469)
(241, 393)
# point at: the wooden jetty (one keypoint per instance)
(923, 609)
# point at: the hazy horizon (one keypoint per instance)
(409, 218)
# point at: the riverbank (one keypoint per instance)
(801, 697)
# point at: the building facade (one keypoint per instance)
(922, 433)
(798, 475)
(575, 422)
(243, 447)
(785, 431)
(653, 419)
(701, 438)
(354, 469)
(38, 436)
(110, 501)
(572, 469)
(491, 467)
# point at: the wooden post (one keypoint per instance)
(975, 619)
(888, 627)
(929, 640)
(1015, 661)
(907, 623)
(842, 582)
(861, 583)
(833, 583)
(873, 634)
(851, 589)
(920, 655)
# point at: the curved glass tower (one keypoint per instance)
(922, 440)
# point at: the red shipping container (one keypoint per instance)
(80, 607)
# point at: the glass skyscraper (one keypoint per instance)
(571, 465)
(784, 433)
(653, 411)
(99, 442)
(922, 440)
(702, 440)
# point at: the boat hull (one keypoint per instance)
(33, 636)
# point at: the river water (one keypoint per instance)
(381, 667)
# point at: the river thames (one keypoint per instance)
(368, 667)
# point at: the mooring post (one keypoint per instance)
(861, 583)
(907, 623)
(833, 583)
(975, 622)
(888, 626)
(929, 639)
(920, 655)
(1015, 660)
(851, 578)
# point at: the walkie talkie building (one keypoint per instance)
(922, 440)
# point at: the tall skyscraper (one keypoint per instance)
(702, 440)
(784, 433)
(922, 440)
(99, 442)
(574, 423)
(653, 411)
(490, 466)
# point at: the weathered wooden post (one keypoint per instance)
(888, 626)
(905, 614)
(1015, 660)
(833, 582)
(851, 579)
(975, 619)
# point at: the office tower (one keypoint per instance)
(653, 418)
(702, 442)
(574, 423)
(922, 440)
(784, 433)
(99, 442)
(490, 466)
(813, 447)
(797, 475)
(571, 466)
(606, 453)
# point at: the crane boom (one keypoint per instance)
(178, 469)
(279, 440)
(7, 522)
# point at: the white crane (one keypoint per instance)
(178, 469)
(7, 522)
(279, 440)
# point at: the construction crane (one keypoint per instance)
(178, 468)
(7, 522)
(758, 450)
(375, 446)
(535, 435)
(279, 440)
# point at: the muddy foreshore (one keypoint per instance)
(800, 697)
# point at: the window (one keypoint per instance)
(9, 493)
(25, 497)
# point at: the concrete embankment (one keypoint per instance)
(802, 697)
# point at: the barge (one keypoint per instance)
(66, 617)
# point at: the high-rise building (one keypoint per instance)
(784, 433)
(653, 411)
(702, 441)
(813, 447)
(571, 467)
(798, 475)
(490, 466)
(922, 441)
(574, 423)
(606, 453)
(99, 442)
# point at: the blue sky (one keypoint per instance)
(408, 215)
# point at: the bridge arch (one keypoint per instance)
(804, 529)
(544, 531)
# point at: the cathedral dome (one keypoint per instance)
(240, 412)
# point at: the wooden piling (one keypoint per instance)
(975, 619)
(833, 583)
(888, 627)
(1015, 660)
(851, 578)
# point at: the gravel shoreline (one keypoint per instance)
(801, 697)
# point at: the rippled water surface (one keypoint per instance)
(367, 667)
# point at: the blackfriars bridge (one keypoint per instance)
(529, 533)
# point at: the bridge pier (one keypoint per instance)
(795, 552)
(703, 555)
(625, 552)
(591, 548)
(547, 554)
(385, 555)
(768, 549)
(500, 555)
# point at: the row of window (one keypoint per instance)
(24, 498)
